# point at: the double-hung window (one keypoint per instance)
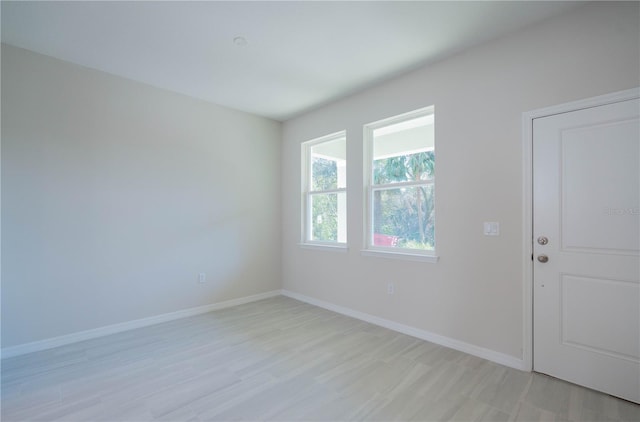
(400, 174)
(325, 190)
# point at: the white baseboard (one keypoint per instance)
(471, 349)
(50, 343)
(451, 343)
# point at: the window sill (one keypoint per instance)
(324, 247)
(407, 256)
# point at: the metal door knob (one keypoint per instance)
(543, 258)
(543, 240)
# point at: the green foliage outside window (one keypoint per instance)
(406, 213)
(324, 207)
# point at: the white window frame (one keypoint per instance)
(307, 193)
(386, 251)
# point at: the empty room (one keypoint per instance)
(320, 210)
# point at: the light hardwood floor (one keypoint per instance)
(281, 359)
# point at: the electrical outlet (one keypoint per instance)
(202, 277)
(391, 288)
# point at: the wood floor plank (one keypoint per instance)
(283, 360)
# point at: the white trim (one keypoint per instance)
(50, 343)
(367, 178)
(400, 118)
(408, 184)
(340, 247)
(461, 346)
(527, 201)
(335, 136)
(405, 123)
(328, 191)
(614, 97)
(400, 254)
(527, 238)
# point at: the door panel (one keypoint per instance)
(587, 213)
(585, 325)
(586, 196)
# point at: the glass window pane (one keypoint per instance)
(328, 217)
(329, 165)
(404, 217)
(324, 174)
(403, 151)
(404, 168)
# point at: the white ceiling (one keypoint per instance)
(299, 55)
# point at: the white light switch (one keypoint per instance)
(491, 228)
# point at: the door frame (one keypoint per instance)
(527, 202)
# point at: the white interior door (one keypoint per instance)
(586, 203)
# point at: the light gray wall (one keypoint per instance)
(115, 195)
(475, 293)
